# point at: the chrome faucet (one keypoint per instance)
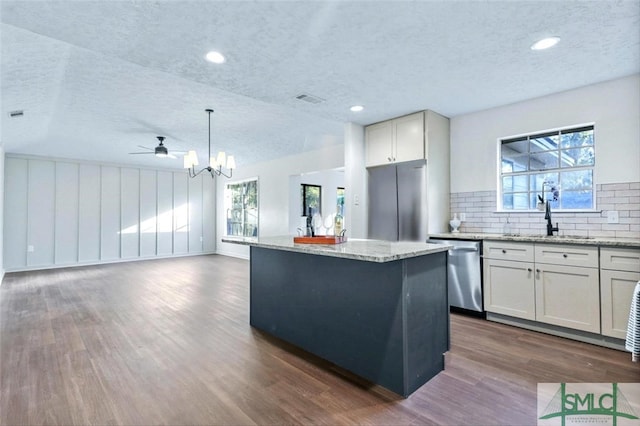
(547, 216)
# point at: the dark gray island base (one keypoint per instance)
(386, 321)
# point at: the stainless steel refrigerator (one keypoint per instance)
(398, 202)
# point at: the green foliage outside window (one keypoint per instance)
(241, 201)
(311, 196)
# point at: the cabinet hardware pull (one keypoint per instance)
(504, 251)
(529, 269)
(565, 255)
(538, 270)
(389, 158)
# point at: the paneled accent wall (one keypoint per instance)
(65, 213)
(481, 216)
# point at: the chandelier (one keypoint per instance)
(216, 164)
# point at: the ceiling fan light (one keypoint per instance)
(231, 162)
(213, 162)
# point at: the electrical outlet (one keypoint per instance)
(463, 217)
(31, 249)
(201, 239)
(356, 200)
(612, 216)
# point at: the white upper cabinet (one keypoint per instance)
(379, 139)
(423, 135)
(397, 140)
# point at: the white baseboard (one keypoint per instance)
(232, 254)
(105, 262)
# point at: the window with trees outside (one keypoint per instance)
(311, 196)
(241, 204)
(556, 165)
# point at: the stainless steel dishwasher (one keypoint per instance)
(464, 273)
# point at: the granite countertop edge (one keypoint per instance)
(356, 249)
(564, 239)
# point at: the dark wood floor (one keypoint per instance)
(168, 342)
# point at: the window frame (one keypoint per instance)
(558, 170)
(228, 205)
(305, 206)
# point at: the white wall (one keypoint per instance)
(1, 210)
(613, 106)
(355, 203)
(330, 181)
(273, 192)
(65, 213)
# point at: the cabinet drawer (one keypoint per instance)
(500, 250)
(620, 259)
(567, 255)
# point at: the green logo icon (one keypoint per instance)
(564, 404)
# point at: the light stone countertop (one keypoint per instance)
(562, 239)
(357, 249)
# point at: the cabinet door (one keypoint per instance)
(616, 290)
(509, 288)
(568, 296)
(379, 143)
(409, 137)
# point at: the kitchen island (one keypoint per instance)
(378, 309)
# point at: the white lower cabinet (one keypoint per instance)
(619, 273)
(509, 288)
(568, 296)
(538, 282)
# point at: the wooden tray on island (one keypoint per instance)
(320, 239)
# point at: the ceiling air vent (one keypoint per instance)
(309, 98)
(18, 113)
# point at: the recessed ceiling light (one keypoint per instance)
(215, 57)
(545, 43)
(356, 108)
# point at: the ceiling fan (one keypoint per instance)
(160, 150)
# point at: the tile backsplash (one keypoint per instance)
(481, 216)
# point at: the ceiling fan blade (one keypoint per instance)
(151, 152)
(145, 147)
(171, 155)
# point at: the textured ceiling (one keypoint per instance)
(98, 78)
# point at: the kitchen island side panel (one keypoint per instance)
(427, 317)
(360, 315)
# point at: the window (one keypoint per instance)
(311, 196)
(557, 165)
(340, 201)
(241, 202)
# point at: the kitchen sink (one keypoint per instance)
(561, 237)
(571, 237)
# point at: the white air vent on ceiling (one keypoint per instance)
(18, 113)
(309, 98)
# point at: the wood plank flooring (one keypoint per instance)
(168, 342)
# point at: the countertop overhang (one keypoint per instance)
(533, 238)
(357, 249)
